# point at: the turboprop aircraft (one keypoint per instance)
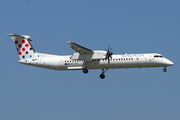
(84, 58)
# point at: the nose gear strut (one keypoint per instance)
(164, 70)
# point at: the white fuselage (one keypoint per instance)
(118, 61)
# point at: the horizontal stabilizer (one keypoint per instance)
(20, 36)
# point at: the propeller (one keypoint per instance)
(109, 54)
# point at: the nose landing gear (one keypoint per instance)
(164, 70)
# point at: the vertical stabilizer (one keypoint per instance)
(23, 46)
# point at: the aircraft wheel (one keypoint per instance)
(102, 76)
(164, 70)
(85, 71)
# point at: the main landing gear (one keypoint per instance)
(85, 70)
(164, 70)
(87, 63)
(102, 76)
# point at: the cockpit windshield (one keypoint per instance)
(158, 56)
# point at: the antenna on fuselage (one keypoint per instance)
(124, 52)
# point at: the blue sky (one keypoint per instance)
(30, 93)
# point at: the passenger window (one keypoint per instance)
(126, 58)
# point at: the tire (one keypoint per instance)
(164, 70)
(85, 71)
(102, 76)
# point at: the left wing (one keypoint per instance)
(80, 49)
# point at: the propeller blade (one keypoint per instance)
(108, 60)
(109, 54)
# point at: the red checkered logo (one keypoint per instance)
(23, 41)
(20, 45)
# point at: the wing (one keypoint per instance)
(80, 49)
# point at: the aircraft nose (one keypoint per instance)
(169, 63)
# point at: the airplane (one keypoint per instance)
(84, 58)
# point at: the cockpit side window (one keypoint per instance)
(158, 56)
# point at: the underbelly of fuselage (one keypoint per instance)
(56, 65)
(109, 66)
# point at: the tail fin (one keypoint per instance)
(23, 46)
